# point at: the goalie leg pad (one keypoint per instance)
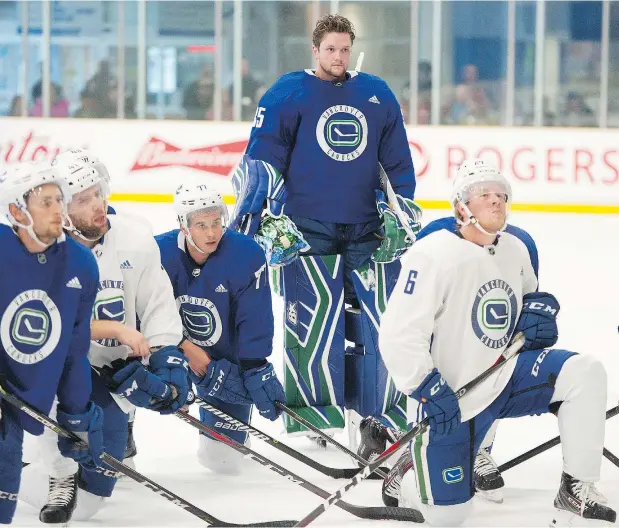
(314, 341)
(370, 391)
(101, 481)
(214, 454)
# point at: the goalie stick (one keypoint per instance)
(121, 468)
(336, 473)
(553, 442)
(363, 512)
(380, 472)
(510, 352)
(386, 184)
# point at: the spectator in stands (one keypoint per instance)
(577, 112)
(37, 89)
(89, 105)
(249, 93)
(198, 96)
(424, 94)
(15, 108)
(59, 106)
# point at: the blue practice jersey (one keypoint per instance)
(46, 302)
(327, 138)
(449, 223)
(225, 304)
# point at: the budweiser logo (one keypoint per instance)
(219, 159)
(31, 147)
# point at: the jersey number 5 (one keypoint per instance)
(259, 117)
(409, 287)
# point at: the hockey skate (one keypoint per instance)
(577, 505)
(374, 438)
(393, 482)
(488, 479)
(61, 500)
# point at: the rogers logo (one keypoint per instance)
(219, 159)
(31, 147)
(421, 160)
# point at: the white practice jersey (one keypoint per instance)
(455, 307)
(133, 285)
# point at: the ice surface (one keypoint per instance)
(579, 263)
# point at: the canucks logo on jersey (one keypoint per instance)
(494, 313)
(110, 306)
(201, 320)
(342, 132)
(30, 327)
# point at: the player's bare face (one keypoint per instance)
(88, 212)
(206, 228)
(46, 206)
(490, 209)
(333, 56)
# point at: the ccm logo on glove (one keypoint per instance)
(172, 360)
(437, 387)
(218, 383)
(534, 305)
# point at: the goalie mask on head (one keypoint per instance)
(81, 171)
(475, 178)
(16, 183)
(192, 199)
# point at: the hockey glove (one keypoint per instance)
(222, 381)
(264, 389)
(139, 386)
(88, 426)
(280, 240)
(396, 239)
(170, 365)
(538, 320)
(439, 404)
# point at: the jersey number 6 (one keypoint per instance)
(409, 287)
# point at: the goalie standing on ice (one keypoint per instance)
(309, 183)
(460, 298)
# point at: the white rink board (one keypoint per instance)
(544, 165)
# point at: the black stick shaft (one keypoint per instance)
(295, 416)
(508, 353)
(338, 473)
(550, 444)
(119, 466)
(384, 513)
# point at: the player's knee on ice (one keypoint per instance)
(450, 515)
(581, 388)
(219, 457)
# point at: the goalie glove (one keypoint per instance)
(397, 238)
(280, 240)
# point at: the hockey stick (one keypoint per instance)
(553, 442)
(393, 202)
(121, 468)
(380, 472)
(363, 512)
(336, 473)
(508, 353)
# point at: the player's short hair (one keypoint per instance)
(332, 24)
